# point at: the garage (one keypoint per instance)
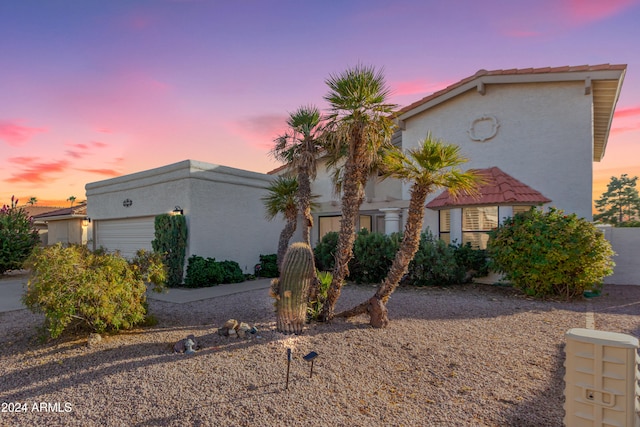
(125, 235)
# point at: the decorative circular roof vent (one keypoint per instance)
(483, 128)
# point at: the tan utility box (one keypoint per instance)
(601, 379)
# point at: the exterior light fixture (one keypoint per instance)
(309, 358)
(178, 210)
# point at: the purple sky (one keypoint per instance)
(92, 89)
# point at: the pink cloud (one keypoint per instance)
(99, 144)
(585, 11)
(15, 134)
(107, 172)
(627, 112)
(621, 129)
(414, 87)
(35, 172)
(104, 130)
(259, 131)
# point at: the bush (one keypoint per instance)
(373, 254)
(317, 301)
(98, 291)
(269, 266)
(203, 272)
(325, 251)
(550, 254)
(473, 261)
(18, 237)
(434, 264)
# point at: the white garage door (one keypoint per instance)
(125, 235)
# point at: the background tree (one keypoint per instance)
(620, 202)
(434, 164)
(18, 237)
(298, 148)
(281, 199)
(71, 199)
(32, 201)
(358, 124)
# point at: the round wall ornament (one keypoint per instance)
(483, 128)
(127, 203)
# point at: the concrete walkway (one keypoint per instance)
(13, 285)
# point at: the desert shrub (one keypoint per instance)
(269, 265)
(204, 272)
(325, 251)
(473, 261)
(100, 292)
(316, 301)
(434, 264)
(18, 237)
(373, 254)
(550, 254)
(171, 241)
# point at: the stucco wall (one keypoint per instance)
(543, 139)
(222, 205)
(626, 244)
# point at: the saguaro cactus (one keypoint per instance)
(298, 273)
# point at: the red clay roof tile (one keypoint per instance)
(499, 189)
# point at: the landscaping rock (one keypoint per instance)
(181, 347)
(94, 339)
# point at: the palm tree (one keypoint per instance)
(281, 199)
(71, 199)
(299, 149)
(431, 165)
(32, 201)
(357, 126)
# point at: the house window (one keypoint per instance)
(476, 223)
(332, 223)
(445, 225)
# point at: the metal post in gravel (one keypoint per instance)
(288, 365)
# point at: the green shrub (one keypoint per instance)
(325, 251)
(204, 272)
(317, 301)
(18, 237)
(373, 254)
(473, 261)
(434, 264)
(550, 254)
(101, 292)
(171, 241)
(269, 265)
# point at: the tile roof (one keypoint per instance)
(512, 71)
(499, 188)
(80, 209)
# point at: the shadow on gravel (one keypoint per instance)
(529, 412)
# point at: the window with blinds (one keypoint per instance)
(332, 223)
(476, 222)
(445, 225)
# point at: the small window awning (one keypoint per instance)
(499, 188)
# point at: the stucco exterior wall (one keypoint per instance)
(625, 242)
(67, 231)
(224, 213)
(543, 139)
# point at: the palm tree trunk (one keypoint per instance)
(304, 190)
(285, 236)
(352, 198)
(376, 305)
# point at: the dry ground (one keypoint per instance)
(473, 355)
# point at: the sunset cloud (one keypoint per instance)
(35, 172)
(16, 134)
(627, 112)
(105, 172)
(99, 144)
(585, 11)
(259, 131)
(417, 87)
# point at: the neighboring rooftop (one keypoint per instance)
(499, 188)
(78, 210)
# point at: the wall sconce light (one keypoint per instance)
(86, 221)
(178, 210)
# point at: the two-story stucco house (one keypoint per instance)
(533, 132)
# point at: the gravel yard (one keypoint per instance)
(472, 355)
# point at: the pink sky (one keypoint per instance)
(94, 90)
